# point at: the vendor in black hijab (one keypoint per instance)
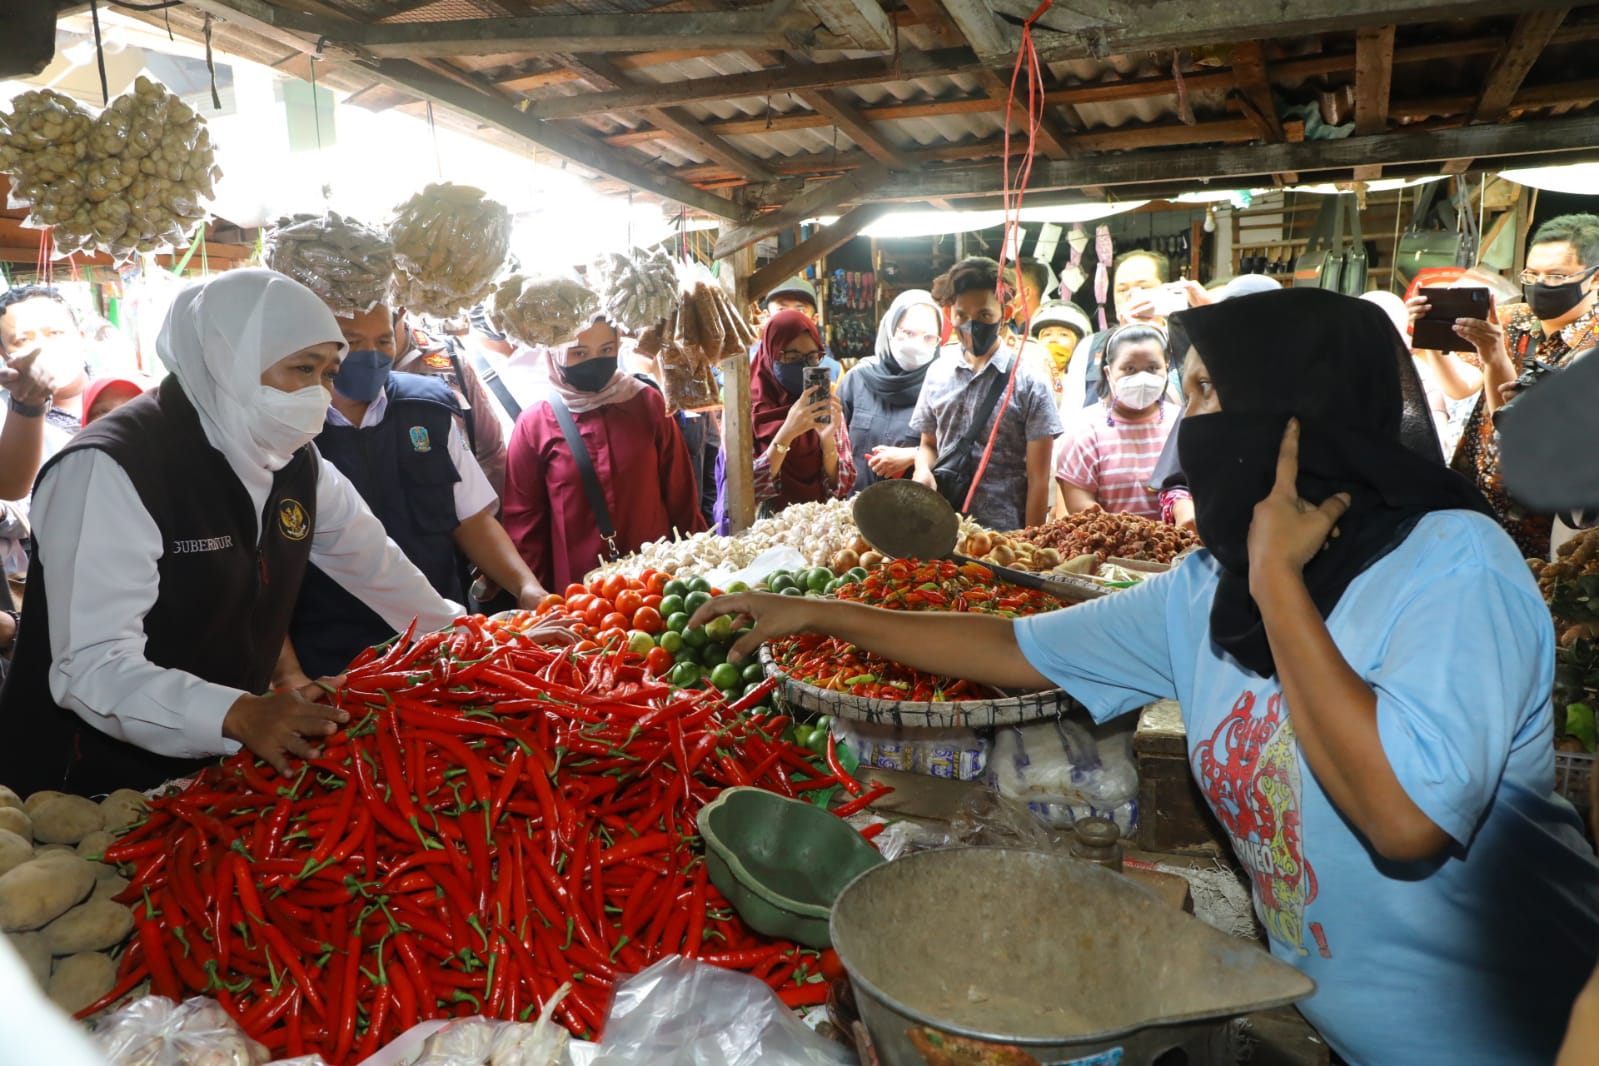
(879, 395)
(1364, 666)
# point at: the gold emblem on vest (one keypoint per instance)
(292, 520)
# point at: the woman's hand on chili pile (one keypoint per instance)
(771, 616)
(1287, 531)
(280, 725)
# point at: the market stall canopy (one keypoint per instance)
(730, 107)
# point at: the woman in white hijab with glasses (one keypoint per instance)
(170, 540)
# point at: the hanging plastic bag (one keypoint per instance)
(1063, 771)
(685, 1013)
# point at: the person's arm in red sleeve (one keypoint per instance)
(526, 511)
(679, 490)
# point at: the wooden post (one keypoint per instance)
(738, 442)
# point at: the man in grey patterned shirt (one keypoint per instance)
(1013, 490)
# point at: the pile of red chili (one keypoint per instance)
(902, 585)
(498, 819)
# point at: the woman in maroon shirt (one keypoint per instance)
(640, 462)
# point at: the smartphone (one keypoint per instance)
(1436, 330)
(820, 379)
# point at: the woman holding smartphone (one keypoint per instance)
(802, 448)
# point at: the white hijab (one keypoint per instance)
(219, 336)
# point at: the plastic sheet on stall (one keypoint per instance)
(685, 1013)
(762, 566)
(155, 1031)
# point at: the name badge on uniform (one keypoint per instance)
(420, 441)
(438, 361)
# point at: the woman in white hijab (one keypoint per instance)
(170, 539)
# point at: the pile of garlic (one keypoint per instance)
(450, 242)
(819, 531)
(133, 180)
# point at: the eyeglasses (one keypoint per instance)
(1529, 277)
(789, 355)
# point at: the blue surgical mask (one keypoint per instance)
(792, 377)
(363, 374)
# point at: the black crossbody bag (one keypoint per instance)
(591, 480)
(957, 465)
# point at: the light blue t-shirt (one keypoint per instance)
(1473, 958)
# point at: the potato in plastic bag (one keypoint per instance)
(346, 262)
(154, 1031)
(547, 311)
(450, 242)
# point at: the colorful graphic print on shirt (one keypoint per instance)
(1249, 773)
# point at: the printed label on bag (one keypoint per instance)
(1113, 1057)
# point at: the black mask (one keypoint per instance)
(1551, 302)
(591, 375)
(979, 337)
(792, 377)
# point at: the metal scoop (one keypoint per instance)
(907, 520)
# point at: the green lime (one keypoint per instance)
(736, 587)
(720, 629)
(675, 587)
(672, 641)
(686, 675)
(792, 590)
(858, 574)
(640, 643)
(803, 734)
(817, 579)
(696, 637)
(726, 676)
(671, 605)
(699, 584)
(713, 655)
(750, 687)
(779, 583)
(818, 741)
(677, 622)
(834, 585)
(686, 654)
(755, 673)
(695, 600)
(824, 723)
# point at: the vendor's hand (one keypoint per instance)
(806, 416)
(280, 725)
(531, 596)
(887, 462)
(316, 691)
(1182, 516)
(1287, 531)
(30, 377)
(772, 617)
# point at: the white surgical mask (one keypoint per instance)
(281, 423)
(911, 355)
(1139, 391)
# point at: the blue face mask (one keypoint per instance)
(792, 377)
(362, 375)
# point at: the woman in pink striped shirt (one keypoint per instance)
(1110, 454)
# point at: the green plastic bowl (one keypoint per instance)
(781, 862)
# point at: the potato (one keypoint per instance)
(96, 925)
(66, 819)
(9, 798)
(93, 846)
(57, 849)
(14, 851)
(40, 797)
(79, 980)
(38, 892)
(124, 807)
(36, 953)
(109, 887)
(16, 819)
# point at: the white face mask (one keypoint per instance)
(1136, 392)
(911, 355)
(281, 423)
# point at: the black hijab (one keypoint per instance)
(1335, 363)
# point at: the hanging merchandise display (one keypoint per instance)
(1442, 233)
(450, 242)
(543, 311)
(346, 262)
(133, 180)
(1334, 260)
(636, 290)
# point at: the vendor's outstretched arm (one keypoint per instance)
(967, 646)
(1333, 710)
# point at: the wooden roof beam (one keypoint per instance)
(1567, 139)
(489, 110)
(1531, 35)
(846, 117)
(602, 73)
(802, 255)
(819, 199)
(1374, 76)
(862, 21)
(995, 41)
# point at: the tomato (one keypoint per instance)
(628, 602)
(579, 603)
(586, 645)
(832, 966)
(653, 600)
(574, 590)
(659, 661)
(596, 586)
(594, 614)
(648, 620)
(612, 636)
(616, 620)
(655, 583)
(550, 603)
(613, 587)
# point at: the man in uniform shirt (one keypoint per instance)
(421, 353)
